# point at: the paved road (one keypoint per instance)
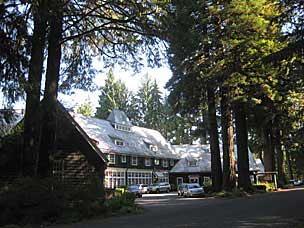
(280, 209)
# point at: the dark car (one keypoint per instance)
(134, 189)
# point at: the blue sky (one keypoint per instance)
(132, 81)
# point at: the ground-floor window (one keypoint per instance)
(161, 176)
(58, 169)
(179, 180)
(117, 177)
(114, 178)
(139, 177)
(193, 179)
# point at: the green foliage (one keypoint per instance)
(149, 104)
(125, 202)
(114, 95)
(36, 201)
(31, 201)
(268, 187)
(85, 109)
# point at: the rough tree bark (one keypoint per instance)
(268, 148)
(49, 120)
(31, 118)
(280, 158)
(242, 146)
(229, 178)
(216, 168)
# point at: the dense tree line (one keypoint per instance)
(237, 67)
(232, 53)
(66, 35)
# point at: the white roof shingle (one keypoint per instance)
(136, 142)
(201, 153)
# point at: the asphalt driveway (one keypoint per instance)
(279, 209)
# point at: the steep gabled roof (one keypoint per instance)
(119, 117)
(201, 153)
(9, 118)
(85, 136)
(136, 142)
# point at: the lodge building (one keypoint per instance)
(121, 154)
(136, 155)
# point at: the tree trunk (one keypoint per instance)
(31, 118)
(268, 149)
(289, 164)
(48, 136)
(216, 168)
(280, 158)
(229, 179)
(242, 146)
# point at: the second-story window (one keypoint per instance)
(148, 161)
(165, 163)
(134, 160)
(119, 142)
(123, 159)
(156, 161)
(122, 127)
(171, 162)
(111, 158)
(153, 148)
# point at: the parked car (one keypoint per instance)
(193, 190)
(297, 182)
(134, 189)
(160, 187)
(180, 189)
(144, 188)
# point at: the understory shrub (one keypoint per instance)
(30, 201)
(36, 201)
(265, 186)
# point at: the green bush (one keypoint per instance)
(125, 200)
(36, 201)
(31, 201)
(265, 186)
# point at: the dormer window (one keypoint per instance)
(153, 148)
(165, 163)
(171, 162)
(192, 163)
(119, 142)
(122, 127)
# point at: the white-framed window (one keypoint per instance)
(148, 162)
(114, 178)
(58, 169)
(122, 127)
(165, 163)
(179, 180)
(156, 161)
(111, 158)
(193, 179)
(171, 162)
(139, 177)
(133, 160)
(123, 159)
(119, 142)
(153, 148)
